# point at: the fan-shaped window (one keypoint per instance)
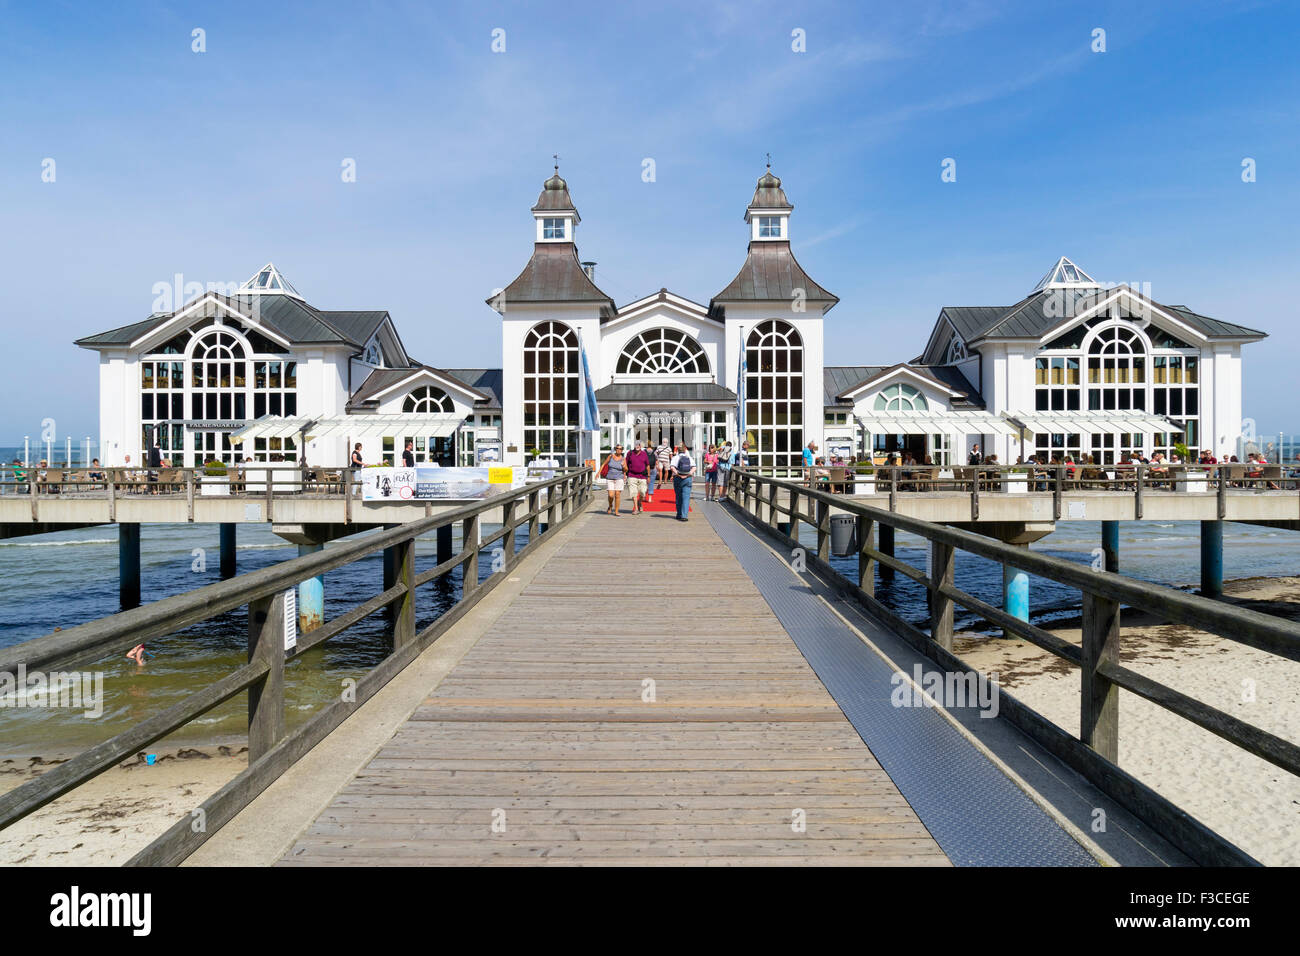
(900, 398)
(428, 400)
(956, 351)
(774, 394)
(663, 352)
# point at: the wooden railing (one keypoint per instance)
(1101, 675)
(1136, 480)
(264, 592)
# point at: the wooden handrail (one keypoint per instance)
(271, 749)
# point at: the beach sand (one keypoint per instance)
(1247, 800)
(112, 817)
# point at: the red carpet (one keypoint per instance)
(663, 499)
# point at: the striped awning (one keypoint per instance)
(352, 427)
(1107, 423)
(936, 423)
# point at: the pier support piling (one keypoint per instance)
(885, 536)
(1110, 545)
(1212, 559)
(128, 565)
(227, 550)
(311, 595)
(1015, 594)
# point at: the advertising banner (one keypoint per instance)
(432, 483)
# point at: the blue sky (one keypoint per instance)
(210, 164)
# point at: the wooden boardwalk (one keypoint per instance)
(542, 745)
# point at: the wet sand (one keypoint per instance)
(1248, 800)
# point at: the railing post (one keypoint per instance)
(1137, 495)
(893, 487)
(1098, 697)
(270, 491)
(823, 530)
(793, 525)
(469, 540)
(266, 696)
(112, 493)
(866, 563)
(975, 497)
(404, 619)
(771, 505)
(1056, 492)
(1222, 494)
(189, 494)
(508, 525)
(347, 495)
(941, 606)
(534, 518)
(553, 503)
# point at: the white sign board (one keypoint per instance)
(290, 619)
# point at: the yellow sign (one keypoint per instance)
(500, 476)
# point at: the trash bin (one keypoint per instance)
(844, 533)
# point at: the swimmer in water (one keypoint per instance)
(137, 654)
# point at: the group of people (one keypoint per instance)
(635, 472)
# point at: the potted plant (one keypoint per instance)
(865, 482)
(1015, 480)
(216, 479)
(1187, 476)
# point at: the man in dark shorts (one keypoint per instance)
(408, 456)
(638, 473)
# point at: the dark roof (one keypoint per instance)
(1043, 310)
(486, 380)
(841, 378)
(554, 274)
(289, 317)
(382, 378)
(665, 392)
(555, 196)
(771, 274)
(769, 194)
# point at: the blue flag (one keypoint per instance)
(740, 393)
(590, 411)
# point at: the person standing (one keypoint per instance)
(614, 472)
(724, 466)
(638, 473)
(711, 463)
(809, 460)
(975, 457)
(683, 470)
(664, 458)
(357, 461)
(408, 455)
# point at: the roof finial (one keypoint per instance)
(556, 157)
(769, 162)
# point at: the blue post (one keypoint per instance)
(227, 550)
(1212, 559)
(311, 595)
(1015, 594)
(128, 565)
(1110, 544)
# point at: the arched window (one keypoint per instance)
(900, 398)
(552, 373)
(956, 351)
(774, 394)
(428, 400)
(663, 352)
(1117, 370)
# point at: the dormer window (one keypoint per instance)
(553, 229)
(769, 227)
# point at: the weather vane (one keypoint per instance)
(769, 161)
(556, 157)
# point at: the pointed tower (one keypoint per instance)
(773, 310)
(268, 280)
(1065, 275)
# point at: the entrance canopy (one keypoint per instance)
(354, 427)
(1106, 423)
(936, 423)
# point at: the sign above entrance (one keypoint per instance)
(663, 418)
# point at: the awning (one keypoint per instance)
(936, 423)
(271, 426)
(1107, 423)
(353, 427)
(358, 427)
